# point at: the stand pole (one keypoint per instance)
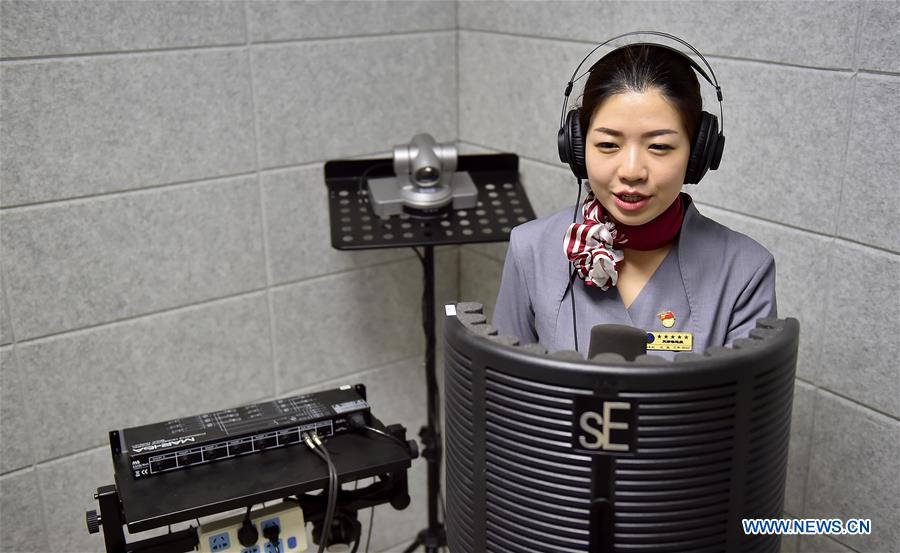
(496, 176)
(434, 537)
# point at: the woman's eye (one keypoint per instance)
(661, 147)
(606, 145)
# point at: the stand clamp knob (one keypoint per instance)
(93, 521)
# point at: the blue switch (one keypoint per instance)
(292, 542)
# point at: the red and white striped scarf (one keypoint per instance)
(594, 246)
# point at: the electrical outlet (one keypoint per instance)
(219, 542)
(220, 536)
(269, 548)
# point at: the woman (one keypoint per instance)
(642, 253)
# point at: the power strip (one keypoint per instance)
(221, 536)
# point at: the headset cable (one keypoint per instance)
(318, 447)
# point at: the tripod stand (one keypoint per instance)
(433, 537)
(502, 204)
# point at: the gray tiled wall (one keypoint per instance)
(853, 468)
(812, 93)
(162, 216)
(142, 119)
(164, 233)
(876, 103)
(88, 262)
(5, 336)
(324, 99)
(33, 28)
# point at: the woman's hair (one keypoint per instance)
(642, 67)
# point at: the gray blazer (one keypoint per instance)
(716, 281)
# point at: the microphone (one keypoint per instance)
(627, 341)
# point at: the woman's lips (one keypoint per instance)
(628, 205)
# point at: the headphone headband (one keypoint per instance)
(714, 82)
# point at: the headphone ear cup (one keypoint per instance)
(704, 149)
(574, 145)
(717, 153)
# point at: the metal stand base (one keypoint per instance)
(432, 540)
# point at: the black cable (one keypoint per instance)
(326, 525)
(332, 500)
(365, 174)
(574, 271)
(369, 533)
(357, 421)
(247, 532)
(574, 317)
(402, 444)
(319, 449)
(577, 201)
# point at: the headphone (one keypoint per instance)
(706, 150)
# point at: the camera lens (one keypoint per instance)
(427, 175)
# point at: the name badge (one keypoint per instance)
(670, 341)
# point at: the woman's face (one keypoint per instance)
(636, 152)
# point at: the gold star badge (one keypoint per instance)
(667, 318)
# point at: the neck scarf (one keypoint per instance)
(594, 246)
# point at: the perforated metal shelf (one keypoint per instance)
(502, 204)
